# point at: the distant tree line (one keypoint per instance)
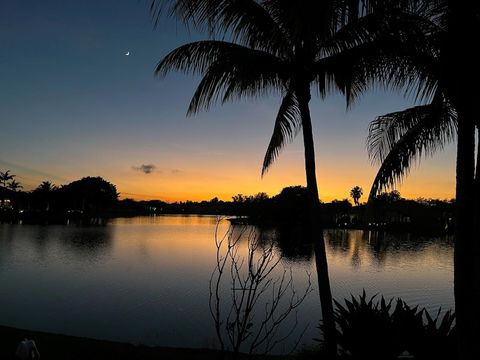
(96, 197)
(89, 196)
(387, 210)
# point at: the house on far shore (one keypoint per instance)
(6, 198)
(5, 204)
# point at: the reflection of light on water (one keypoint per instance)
(418, 269)
(145, 280)
(170, 220)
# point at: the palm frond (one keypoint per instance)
(392, 44)
(350, 35)
(386, 130)
(225, 82)
(188, 11)
(400, 139)
(393, 51)
(252, 25)
(416, 73)
(409, 60)
(193, 57)
(408, 21)
(380, 62)
(305, 21)
(351, 72)
(287, 125)
(246, 21)
(341, 74)
(229, 70)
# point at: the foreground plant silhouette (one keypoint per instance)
(381, 329)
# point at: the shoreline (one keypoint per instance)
(57, 346)
(419, 229)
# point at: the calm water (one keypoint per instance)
(145, 280)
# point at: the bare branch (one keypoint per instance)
(252, 285)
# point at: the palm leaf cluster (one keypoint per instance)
(286, 47)
(397, 141)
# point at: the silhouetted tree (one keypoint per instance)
(399, 139)
(261, 196)
(239, 198)
(356, 193)
(46, 187)
(43, 195)
(14, 185)
(90, 194)
(5, 177)
(389, 197)
(446, 72)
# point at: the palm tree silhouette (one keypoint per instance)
(286, 47)
(46, 187)
(356, 193)
(14, 185)
(398, 139)
(5, 177)
(43, 193)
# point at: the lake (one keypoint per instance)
(145, 280)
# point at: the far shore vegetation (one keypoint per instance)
(95, 198)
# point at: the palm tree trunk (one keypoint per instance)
(461, 65)
(463, 262)
(477, 177)
(475, 257)
(315, 228)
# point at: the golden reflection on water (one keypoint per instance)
(370, 248)
(169, 241)
(414, 267)
(170, 220)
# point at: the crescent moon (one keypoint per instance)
(128, 53)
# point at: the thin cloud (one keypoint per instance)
(145, 168)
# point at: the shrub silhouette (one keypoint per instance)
(369, 329)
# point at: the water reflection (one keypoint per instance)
(145, 280)
(88, 242)
(83, 241)
(380, 247)
(358, 246)
(365, 247)
(169, 219)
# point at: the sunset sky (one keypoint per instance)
(73, 104)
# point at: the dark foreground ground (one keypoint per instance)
(54, 346)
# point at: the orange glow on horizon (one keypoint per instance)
(429, 181)
(199, 177)
(329, 190)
